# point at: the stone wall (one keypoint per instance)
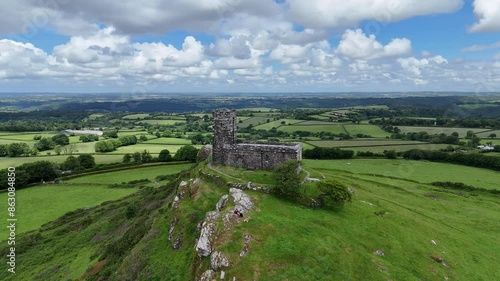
(227, 151)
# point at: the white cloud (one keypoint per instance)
(478, 48)
(21, 60)
(356, 45)
(488, 14)
(415, 66)
(333, 13)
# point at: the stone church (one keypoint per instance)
(228, 150)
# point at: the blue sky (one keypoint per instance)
(254, 46)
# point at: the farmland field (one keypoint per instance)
(40, 204)
(152, 148)
(162, 122)
(421, 171)
(254, 121)
(6, 162)
(168, 141)
(437, 130)
(487, 133)
(380, 149)
(277, 123)
(332, 128)
(136, 116)
(363, 143)
(129, 174)
(371, 130)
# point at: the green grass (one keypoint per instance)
(26, 137)
(437, 130)
(335, 129)
(257, 109)
(162, 122)
(421, 171)
(487, 133)
(6, 162)
(40, 204)
(362, 143)
(168, 141)
(276, 124)
(152, 148)
(136, 116)
(371, 130)
(254, 121)
(129, 175)
(94, 116)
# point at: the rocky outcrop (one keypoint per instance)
(204, 153)
(242, 201)
(218, 260)
(204, 245)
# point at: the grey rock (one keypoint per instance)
(208, 275)
(222, 275)
(222, 203)
(379, 253)
(241, 200)
(204, 247)
(218, 260)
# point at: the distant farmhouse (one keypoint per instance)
(227, 150)
(82, 132)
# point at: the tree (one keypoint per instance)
(492, 136)
(165, 156)
(71, 164)
(143, 138)
(186, 153)
(137, 157)
(287, 178)
(390, 154)
(60, 139)
(45, 144)
(146, 157)
(4, 151)
(86, 161)
(333, 193)
(469, 134)
(16, 149)
(127, 158)
(58, 149)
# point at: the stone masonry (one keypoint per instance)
(228, 151)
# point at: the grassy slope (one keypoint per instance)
(289, 242)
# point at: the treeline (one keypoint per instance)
(41, 121)
(441, 122)
(113, 144)
(327, 153)
(463, 186)
(468, 159)
(35, 172)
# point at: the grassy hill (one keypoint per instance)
(395, 229)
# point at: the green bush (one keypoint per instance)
(287, 178)
(333, 193)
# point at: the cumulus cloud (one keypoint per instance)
(334, 13)
(478, 48)
(488, 14)
(356, 45)
(20, 60)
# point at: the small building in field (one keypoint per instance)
(82, 132)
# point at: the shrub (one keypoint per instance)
(333, 193)
(287, 178)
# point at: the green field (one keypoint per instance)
(276, 124)
(254, 121)
(40, 204)
(136, 116)
(95, 116)
(487, 133)
(334, 129)
(421, 171)
(129, 175)
(168, 141)
(6, 162)
(161, 122)
(152, 148)
(362, 143)
(371, 130)
(437, 130)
